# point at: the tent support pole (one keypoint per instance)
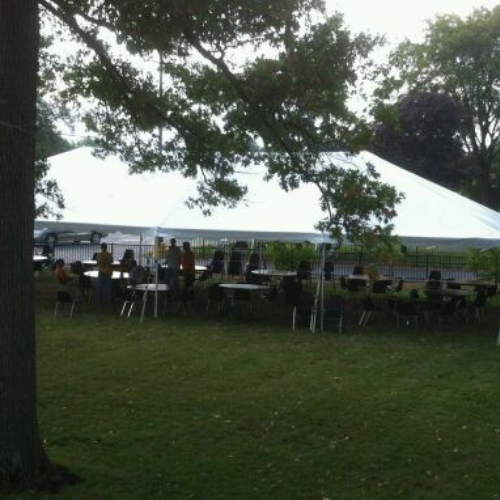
(319, 294)
(322, 279)
(157, 273)
(261, 256)
(141, 240)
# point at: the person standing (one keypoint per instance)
(105, 271)
(173, 263)
(188, 265)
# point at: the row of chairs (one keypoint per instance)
(410, 311)
(360, 285)
(302, 302)
(405, 312)
(305, 306)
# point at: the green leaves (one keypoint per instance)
(460, 58)
(485, 263)
(358, 205)
(238, 81)
(420, 133)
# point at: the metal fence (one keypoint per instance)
(414, 264)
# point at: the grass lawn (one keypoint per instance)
(183, 408)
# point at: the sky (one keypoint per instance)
(396, 19)
(399, 19)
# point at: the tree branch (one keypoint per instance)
(246, 98)
(125, 88)
(98, 22)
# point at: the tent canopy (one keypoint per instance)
(100, 194)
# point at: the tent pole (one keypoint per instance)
(319, 295)
(322, 274)
(141, 236)
(157, 272)
(315, 308)
(157, 267)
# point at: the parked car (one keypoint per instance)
(51, 236)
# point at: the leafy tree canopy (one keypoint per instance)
(461, 58)
(48, 139)
(420, 133)
(234, 74)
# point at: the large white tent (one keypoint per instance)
(101, 194)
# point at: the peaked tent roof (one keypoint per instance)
(102, 194)
(431, 214)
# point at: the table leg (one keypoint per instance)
(144, 301)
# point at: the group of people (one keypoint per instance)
(104, 288)
(177, 260)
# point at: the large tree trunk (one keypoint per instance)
(22, 459)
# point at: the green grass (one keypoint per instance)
(184, 408)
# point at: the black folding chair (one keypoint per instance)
(407, 313)
(304, 309)
(333, 312)
(64, 299)
(369, 308)
(215, 295)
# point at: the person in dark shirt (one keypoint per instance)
(173, 263)
(188, 265)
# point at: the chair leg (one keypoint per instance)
(62, 305)
(312, 322)
(131, 308)
(294, 314)
(361, 320)
(144, 302)
(365, 316)
(125, 302)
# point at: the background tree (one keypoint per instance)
(420, 133)
(460, 58)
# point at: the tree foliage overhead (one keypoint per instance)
(420, 133)
(461, 58)
(234, 74)
(49, 141)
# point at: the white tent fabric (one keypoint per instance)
(101, 194)
(429, 213)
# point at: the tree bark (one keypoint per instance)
(22, 458)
